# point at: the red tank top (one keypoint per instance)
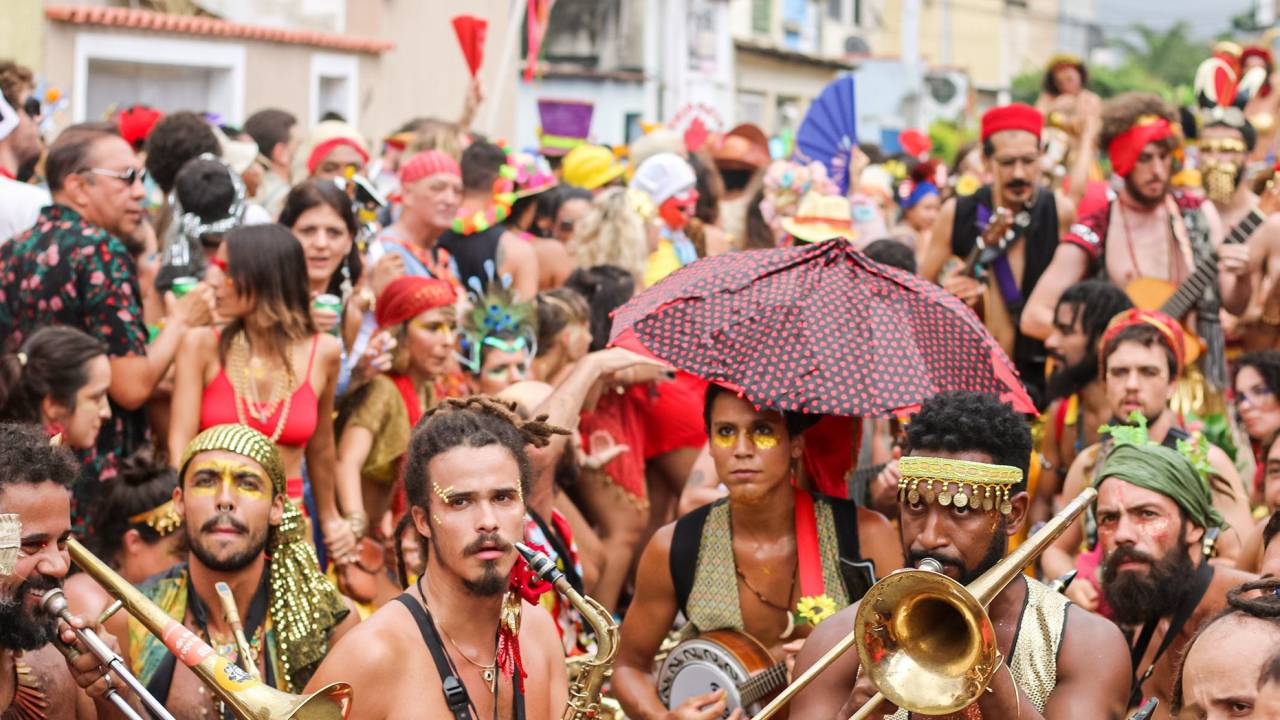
(218, 407)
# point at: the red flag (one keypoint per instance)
(470, 30)
(537, 17)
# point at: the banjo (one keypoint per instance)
(721, 660)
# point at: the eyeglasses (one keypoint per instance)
(130, 176)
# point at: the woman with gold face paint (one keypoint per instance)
(753, 561)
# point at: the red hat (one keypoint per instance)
(135, 124)
(1127, 146)
(408, 296)
(1259, 52)
(426, 164)
(1170, 330)
(1017, 116)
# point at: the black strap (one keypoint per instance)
(858, 574)
(686, 538)
(1204, 575)
(561, 549)
(455, 693)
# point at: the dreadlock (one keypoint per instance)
(476, 421)
(1091, 304)
(405, 524)
(1264, 605)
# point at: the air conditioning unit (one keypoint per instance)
(946, 94)
(855, 45)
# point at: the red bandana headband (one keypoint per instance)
(1169, 329)
(1127, 146)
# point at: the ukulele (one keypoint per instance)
(1178, 300)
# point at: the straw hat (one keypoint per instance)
(821, 217)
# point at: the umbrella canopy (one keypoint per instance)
(817, 329)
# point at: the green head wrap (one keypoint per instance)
(1164, 470)
(302, 604)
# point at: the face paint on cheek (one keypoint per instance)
(722, 440)
(764, 440)
(231, 475)
(443, 493)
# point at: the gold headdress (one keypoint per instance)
(163, 518)
(957, 482)
(304, 606)
(10, 540)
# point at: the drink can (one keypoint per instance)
(184, 285)
(328, 301)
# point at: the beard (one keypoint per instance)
(24, 629)
(995, 553)
(492, 581)
(1137, 597)
(227, 563)
(1070, 379)
(1141, 197)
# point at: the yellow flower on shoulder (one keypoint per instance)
(815, 608)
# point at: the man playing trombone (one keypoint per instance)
(34, 485)
(962, 494)
(242, 530)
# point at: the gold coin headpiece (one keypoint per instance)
(961, 483)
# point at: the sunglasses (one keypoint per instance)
(130, 176)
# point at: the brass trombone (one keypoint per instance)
(924, 639)
(247, 696)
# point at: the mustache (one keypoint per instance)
(914, 558)
(491, 541)
(218, 521)
(39, 583)
(1018, 185)
(1124, 554)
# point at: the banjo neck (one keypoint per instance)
(762, 684)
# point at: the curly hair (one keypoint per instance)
(963, 420)
(29, 459)
(144, 482)
(1050, 84)
(177, 138)
(476, 421)
(610, 234)
(1265, 606)
(14, 79)
(1120, 112)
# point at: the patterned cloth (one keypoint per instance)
(713, 601)
(66, 271)
(1034, 657)
(574, 634)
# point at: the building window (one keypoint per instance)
(857, 12)
(835, 10)
(334, 79)
(761, 16)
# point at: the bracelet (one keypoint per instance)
(359, 523)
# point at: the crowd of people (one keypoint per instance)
(344, 379)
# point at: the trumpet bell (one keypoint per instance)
(926, 642)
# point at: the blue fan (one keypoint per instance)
(829, 130)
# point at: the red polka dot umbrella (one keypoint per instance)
(818, 329)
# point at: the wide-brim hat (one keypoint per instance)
(533, 174)
(820, 218)
(745, 147)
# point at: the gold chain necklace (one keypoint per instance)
(240, 370)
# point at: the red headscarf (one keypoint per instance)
(1170, 330)
(1127, 146)
(409, 296)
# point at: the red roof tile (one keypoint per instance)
(135, 19)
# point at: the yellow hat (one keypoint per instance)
(821, 217)
(590, 167)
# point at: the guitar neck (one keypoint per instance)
(1192, 289)
(761, 684)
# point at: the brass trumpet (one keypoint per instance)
(247, 697)
(934, 645)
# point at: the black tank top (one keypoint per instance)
(1041, 237)
(472, 252)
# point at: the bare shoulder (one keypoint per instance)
(378, 641)
(328, 347)
(1089, 638)
(201, 339)
(1066, 207)
(1225, 578)
(830, 688)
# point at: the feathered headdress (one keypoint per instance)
(1222, 92)
(495, 320)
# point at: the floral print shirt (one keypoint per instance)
(66, 271)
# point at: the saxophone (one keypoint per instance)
(588, 681)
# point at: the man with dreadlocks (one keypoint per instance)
(1078, 395)
(1229, 657)
(464, 642)
(242, 530)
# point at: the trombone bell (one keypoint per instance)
(926, 642)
